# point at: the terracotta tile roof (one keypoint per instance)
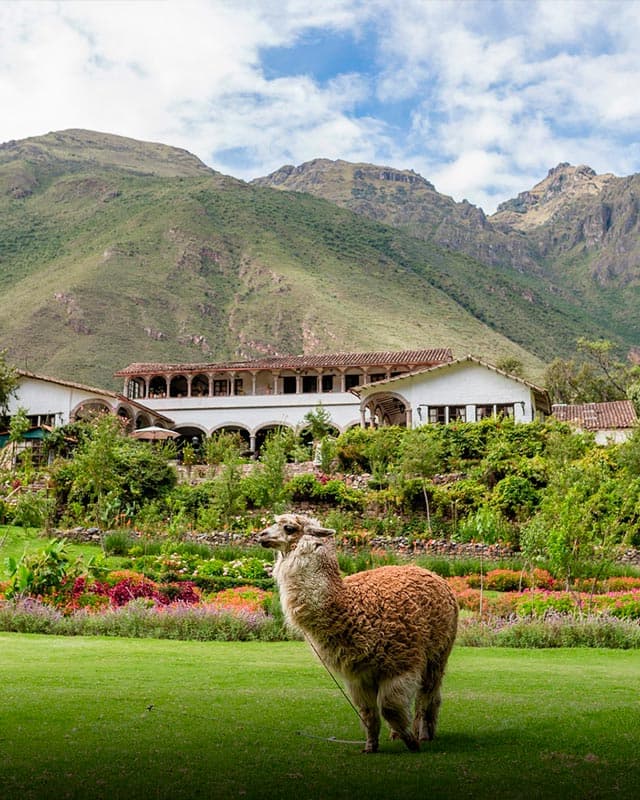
(598, 416)
(405, 358)
(61, 382)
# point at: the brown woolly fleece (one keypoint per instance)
(387, 631)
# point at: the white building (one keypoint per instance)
(408, 388)
(254, 397)
(611, 422)
(464, 390)
(52, 402)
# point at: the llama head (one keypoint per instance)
(289, 529)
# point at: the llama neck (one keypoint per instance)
(310, 586)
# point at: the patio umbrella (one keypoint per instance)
(153, 433)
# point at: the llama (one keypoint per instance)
(388, 631)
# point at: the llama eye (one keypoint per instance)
(290, 528)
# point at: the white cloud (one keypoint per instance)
(496, 92)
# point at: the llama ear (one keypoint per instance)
(321, 532)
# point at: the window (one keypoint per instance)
(136, 389)
(220, 388)
(327, 383)
(505, 410)
(238, 386)
(350, 381)
(482, 412)
(377, 376)
(439, 415)
(309, 384)
(289, 384)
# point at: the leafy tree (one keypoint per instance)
(267, 481)
(421, 456)
(598, 377)
(219, 445)
(112, 474)
(230, 497)
(18, 426)
(579, 517)
(8, 382)
(601, 354)
(511, 365)
(319, 423)
(633, 393)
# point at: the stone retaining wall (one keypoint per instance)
(400, 545)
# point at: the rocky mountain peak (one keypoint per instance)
(326, 172)
(563, 184)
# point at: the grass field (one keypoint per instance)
(116, 718)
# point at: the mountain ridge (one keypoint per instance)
(114, 250)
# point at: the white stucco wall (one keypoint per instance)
(253, 412)
(43, 397)
(613, 436)
(460, 384)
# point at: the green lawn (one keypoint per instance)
(226, 722)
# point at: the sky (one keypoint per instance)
(481, 97)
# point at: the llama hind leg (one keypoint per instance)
(364, 697)
(428, 701)
(394, 699)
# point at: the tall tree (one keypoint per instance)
(8, 382)
(596, 377)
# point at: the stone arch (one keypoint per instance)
(190, 433)
(387, 408)
(125, 414)
(143, 421)
(90, 409)
(355, 423)
(264, 430)
(243, 432)
(200, 386)
(179, 386)
(157, 387)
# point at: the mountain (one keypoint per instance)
(114, 250)
(577, 233)
(402, 198)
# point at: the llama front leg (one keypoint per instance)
(365, 700)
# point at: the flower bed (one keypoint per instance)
(538, 603)
(186, 595)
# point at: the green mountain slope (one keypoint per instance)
(113, 251)
(576, 234)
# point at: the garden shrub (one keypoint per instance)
(460, 497)
(487, 525)
(33, 510)
(117, 543)
(39, 574)
(515, 497)
(301, 488)
(339, 494)
(341, 521)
